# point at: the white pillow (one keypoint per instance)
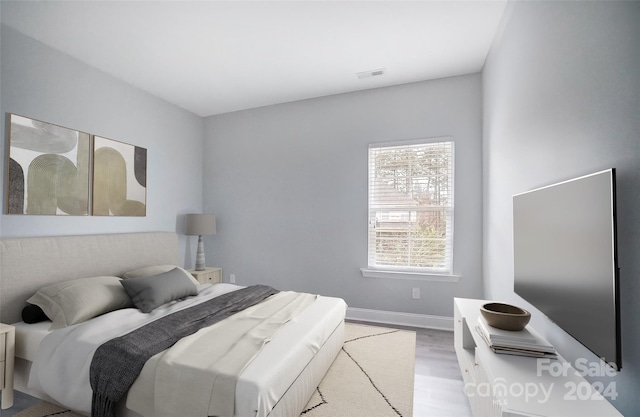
(74, 301)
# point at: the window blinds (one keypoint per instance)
(411, 206)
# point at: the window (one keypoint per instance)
(411, 206)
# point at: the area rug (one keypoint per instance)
(45, 409)
(372, 376)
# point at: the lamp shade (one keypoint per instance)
(200, 224)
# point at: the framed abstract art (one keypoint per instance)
(119, 178)
(48, 169)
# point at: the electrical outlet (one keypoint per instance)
(232, 278)
(415, 293)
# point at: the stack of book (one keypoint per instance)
(526, 342)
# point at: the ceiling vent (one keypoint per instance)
(372, 73)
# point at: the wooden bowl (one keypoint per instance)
(505, 316)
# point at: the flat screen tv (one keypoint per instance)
(565, 259)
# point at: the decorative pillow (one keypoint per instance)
(156, 270)
(78, 300)
(33, 314)
(150, 292)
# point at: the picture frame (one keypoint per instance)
(48, 168)
(119, 178)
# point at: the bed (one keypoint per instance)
(277, 381)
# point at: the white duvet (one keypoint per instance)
(198, 375)
(66, 354)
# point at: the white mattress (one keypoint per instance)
(28, 338)
(270, 375)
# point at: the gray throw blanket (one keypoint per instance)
(117, 363)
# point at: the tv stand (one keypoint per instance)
(500, 385)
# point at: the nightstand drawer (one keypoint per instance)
(208, 275)
(7, 352)
(3, 349)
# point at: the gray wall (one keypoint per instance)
(45, 84)
(288, 184)
(561, 92)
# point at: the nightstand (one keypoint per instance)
(208, 276)
(7, 353)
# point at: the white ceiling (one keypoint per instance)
(213, 57)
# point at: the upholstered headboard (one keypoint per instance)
(26, 264)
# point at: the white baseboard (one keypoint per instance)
(400, 319)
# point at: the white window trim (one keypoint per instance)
(405, 273)
(408, 275)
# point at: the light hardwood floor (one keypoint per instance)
(438, 386)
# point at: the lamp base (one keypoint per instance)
(200, 264)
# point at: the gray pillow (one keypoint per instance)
(78, 300)
(150, 292)
(156, 270)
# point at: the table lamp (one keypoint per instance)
(200, 225)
